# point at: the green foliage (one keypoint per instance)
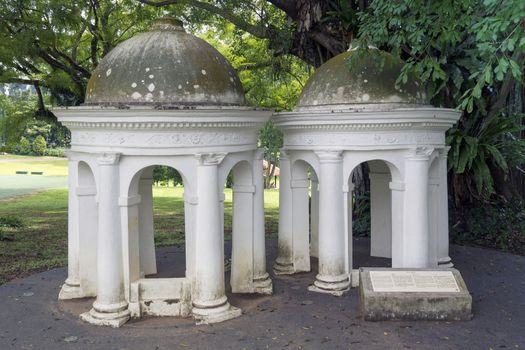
(470, 54)
(55, 152)
(17, 111)
(361, 215)
(476, 150)
(7, 223)
(11, 222)
(500, 226)
(271, 141)
(24, 146)
(164, 175)
(459, 48)
(270, 81)
(57, 43)
(39, 145)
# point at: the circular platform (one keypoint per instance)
(292, 318)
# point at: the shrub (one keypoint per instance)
(11, 221)
(39, 145)
(55, 152)
(500, 225)
(24, 147)
(6, 237)
(361, 215)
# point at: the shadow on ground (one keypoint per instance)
(292, 318)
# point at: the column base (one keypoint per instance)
(281, 267)
(334, 285)
(107, 315)
(445, 262)
(263, 285)
(215, 314)
(70, 290)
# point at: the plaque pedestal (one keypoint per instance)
(413, 294)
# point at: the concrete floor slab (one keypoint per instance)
(292, 318)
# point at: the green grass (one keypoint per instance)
(10, 164)
(41, 243)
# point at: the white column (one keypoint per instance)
(88, 228)
(148, 263)
(284, 264)
(443, 234)
(433, 220)
(210, 304)
(190, 209)
(129, 209)
(380, 215)
(332, 277)
(71, 288)
(300, 222)
(397, 189)
(348, 201)
(416, 230)
(314, 216)
(110, 307)
(242, 238)
(261, 279)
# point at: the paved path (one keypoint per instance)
(16, 185)
(293, 318)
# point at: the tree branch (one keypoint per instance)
(288, 6)
(257, 31)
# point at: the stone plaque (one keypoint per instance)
(414, 281)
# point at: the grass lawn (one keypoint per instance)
(41, 243)
(10, 164)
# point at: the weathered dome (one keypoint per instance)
(165, 67)
(369, 82)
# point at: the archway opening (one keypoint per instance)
(370, 210)
(161, 223)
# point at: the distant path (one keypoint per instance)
(29, 159)
(16, 185)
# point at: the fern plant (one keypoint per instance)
(480, 147)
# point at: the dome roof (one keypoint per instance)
(369, 83)
(165, 66)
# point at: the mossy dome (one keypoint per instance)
(165, 67)
(364, 81)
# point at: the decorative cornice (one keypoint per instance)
(428, 118)
(157, 125)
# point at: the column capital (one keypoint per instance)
(71, 155)
(284, 154)
(420, 153)
(329, 156)
(206, 159)
(443, 152)
(108, 158)
(259, 154)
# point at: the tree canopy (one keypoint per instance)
(469, 53)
